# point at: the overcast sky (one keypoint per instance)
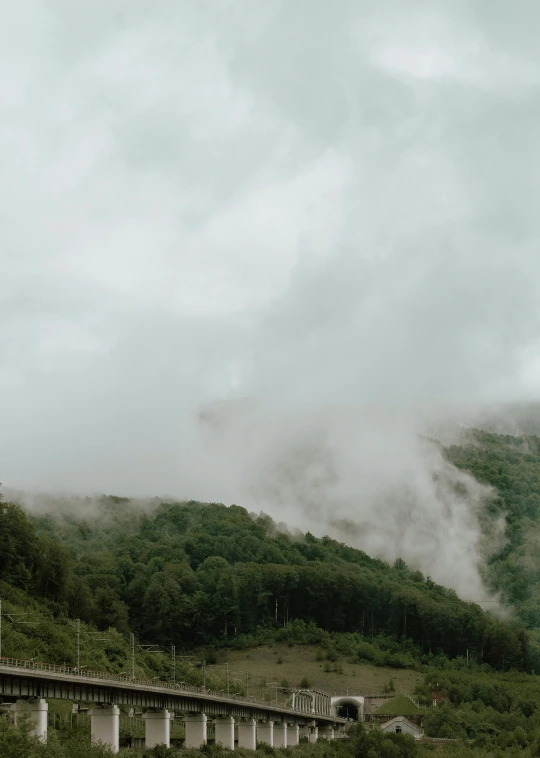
(329, 208)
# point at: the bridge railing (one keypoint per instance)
(54, 668)
(364, 693)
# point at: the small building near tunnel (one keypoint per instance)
(402, 725)
(348, 707)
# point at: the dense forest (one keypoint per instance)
(511, 465)
(195, 573)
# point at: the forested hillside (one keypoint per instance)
(512, 466)
(194, 573)
(206, 576)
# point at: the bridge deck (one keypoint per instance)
(30, 679)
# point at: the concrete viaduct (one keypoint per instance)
(311, 716)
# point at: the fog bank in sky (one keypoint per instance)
(330, 210)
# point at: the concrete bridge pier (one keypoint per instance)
(310, 731)
(38, 714)
(157, 728)
(105, 726)
(265, 732)
(293, 735)
(326, 732)
(224, 731)
(195, 724)
(280, 735)
(247, 734)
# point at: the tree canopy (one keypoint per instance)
(196, 573)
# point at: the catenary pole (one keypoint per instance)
(132, 646)
(78, 646)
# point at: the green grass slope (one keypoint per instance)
(400, 706)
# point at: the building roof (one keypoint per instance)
(401, 720)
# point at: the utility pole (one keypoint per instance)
(78, 645)
(275, 685)
(172, 649)
(144, 649)
(227, 674)
(132, 646)
(97, 636)
(204, 675)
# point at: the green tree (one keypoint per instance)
(19, 546)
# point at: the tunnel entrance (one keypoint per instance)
(349, 707)
(347, 711)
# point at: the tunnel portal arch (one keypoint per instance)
(349, 707)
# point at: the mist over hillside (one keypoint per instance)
(351, 257)
(510, 418)
(290, 328)
(419, 508)
(360, 475)
(392, 496)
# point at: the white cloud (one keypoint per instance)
(441, 43)
(240, 258)
(309, 204)
(62, 336)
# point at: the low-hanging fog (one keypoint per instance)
(263, 252)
